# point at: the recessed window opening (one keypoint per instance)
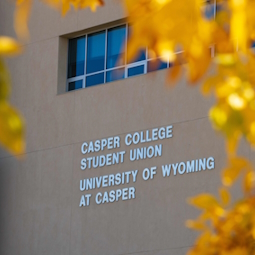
(101, 57)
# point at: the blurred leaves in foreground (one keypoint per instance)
(227, 228)
(12, 135)
(11, 123)
(221, 32)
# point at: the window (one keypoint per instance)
(100, 57)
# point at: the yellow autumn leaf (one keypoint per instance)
(248, 93)
(232, 142)
(225, 196)
(227, 86)
(229, 175)
(93, 4)
(226, 59)
(218, 116)
(236, 102)
(65, 7)
(4, 81)
(198, 64)
(238, 23)
(209, 84)
(248, 182)
(11, 123)
(204, 201)
(203, 240)
(197, 225)
(21, 16)
(234, 168)
(240, 162)
(9, 47)
(166, 50)
(11, 129)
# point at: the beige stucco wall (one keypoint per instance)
(39, 196)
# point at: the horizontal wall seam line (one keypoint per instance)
(64, 145)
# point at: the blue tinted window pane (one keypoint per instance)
(116, 46)
(76, 57)
(95, 79)
(96, 52)
(139, 57)
(155, 65)
(141, 54)
(75, 85)
(116, 74)
(135, 70)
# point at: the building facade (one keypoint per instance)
(108, 168)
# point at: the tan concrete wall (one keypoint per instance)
(39, 196)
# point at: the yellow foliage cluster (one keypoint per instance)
(201, 36)
(168, 26)
(233, 86)
(11, 123)
(223, 39)
(226, 229)
(12, 135)
(204, 36)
